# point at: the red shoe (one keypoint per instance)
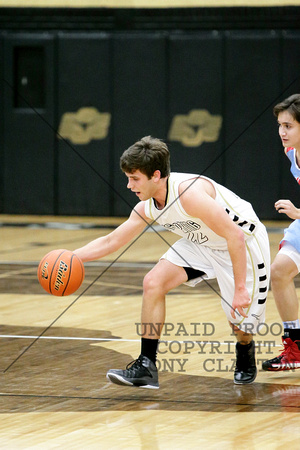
(289, 359)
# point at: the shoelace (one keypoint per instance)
(287, 351)
(132, 365)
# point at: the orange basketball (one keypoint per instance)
(60, 272)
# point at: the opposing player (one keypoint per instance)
(221, 237)
(286, 264)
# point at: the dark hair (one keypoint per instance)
(147, 155)
(290, 104)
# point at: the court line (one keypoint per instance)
(151, 399)
(66, 338)
(134, 265)
(68, 226)
(12, 273)
(92, 226)
(74, 338)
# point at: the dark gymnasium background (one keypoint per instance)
(79, 85)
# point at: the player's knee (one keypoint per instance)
(279, 274)
(152, 285)
(275, 271)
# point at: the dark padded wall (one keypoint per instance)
(1, 128)
(195, 83)
(252, 73)
(28, 162)
(139, 100)
(84, 173)
(172, 85)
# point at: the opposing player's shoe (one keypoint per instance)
(245, 368)
(289, 359)
(139, 373)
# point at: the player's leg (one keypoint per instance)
(245, 367)
(283, 271)
(258, 280)
(164, 277)
(257, 284)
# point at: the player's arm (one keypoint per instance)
(198, 201)
(124, 233)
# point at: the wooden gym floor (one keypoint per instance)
(55, 353)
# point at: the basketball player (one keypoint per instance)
(221, 237)
(286, 264)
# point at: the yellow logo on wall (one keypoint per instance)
(84, 125)
(195, 128)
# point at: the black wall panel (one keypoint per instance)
(84, 176)
(139, 100)
(252, 80)
(195, 85)
(1, 127)
(84, 97)
(28, 135)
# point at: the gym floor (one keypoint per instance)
(55, 352)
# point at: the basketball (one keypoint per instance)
(60, 272)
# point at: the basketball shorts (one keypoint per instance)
(290, 251)
(291, 235)
(216, 264)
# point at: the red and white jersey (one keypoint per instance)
(174, 218)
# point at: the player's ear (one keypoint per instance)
(156, 175)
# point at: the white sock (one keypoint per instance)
(291, 324)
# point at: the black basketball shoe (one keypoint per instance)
(139, 373)
(245, 369)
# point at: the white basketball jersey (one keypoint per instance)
(174, 218)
